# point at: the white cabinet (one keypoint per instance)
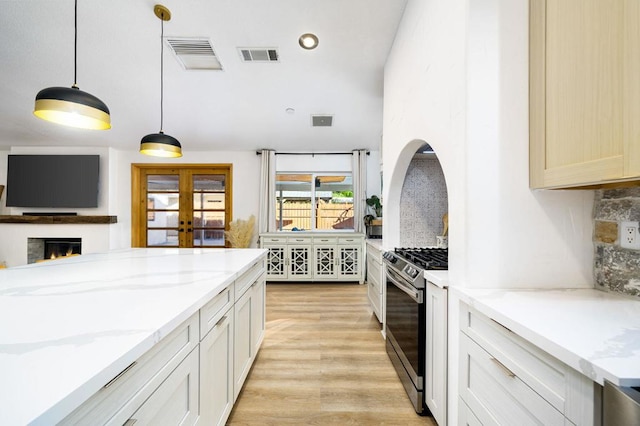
(436, 352)
(350, 262)
(325, 258)
(248, 330)
(299, 261)
(375, 279)
(216, 372)
(175, 402)
(118, 399)
(195, 373)
(314, 257)
(504, 379)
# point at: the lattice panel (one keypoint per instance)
(349, 261)
(276, 261)
(299, 261)
(325, 264)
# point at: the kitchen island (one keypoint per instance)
(71, 328)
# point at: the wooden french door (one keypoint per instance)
(186, 205)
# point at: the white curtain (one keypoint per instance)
(267, 220)
(359, 173)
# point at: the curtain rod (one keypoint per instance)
(313, 154)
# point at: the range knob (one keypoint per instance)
(412, 272)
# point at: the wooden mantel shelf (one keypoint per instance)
(57, 220)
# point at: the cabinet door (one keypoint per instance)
(436, 354)
(175, 402)
(324, 262)
(242, 352)
(350, 262)
(216, 372)
(258, 315)
(300, 261)
(579, 77)
(374, 285)
(276, 262)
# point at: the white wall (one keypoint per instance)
(457, 78)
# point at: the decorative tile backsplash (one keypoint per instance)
(422, 203)
(616, 268)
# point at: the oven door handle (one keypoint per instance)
(413, 293)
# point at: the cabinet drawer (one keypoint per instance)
(570, 392)
(325, 240)
(211, 313)
(373, 273)
(115, 402)
(350, 240)
(374, 253)
(496, 395)
(299, 240)
(248, 278)
(267, 240)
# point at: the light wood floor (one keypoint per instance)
(322, 362)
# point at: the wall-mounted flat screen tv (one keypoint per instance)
(53, 180)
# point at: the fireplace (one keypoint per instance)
(52, 248)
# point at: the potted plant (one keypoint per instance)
(373, 218)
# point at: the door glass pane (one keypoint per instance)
(293, 201)
(162, 238)
(208, 210)
(208, 201)
(163, 183)
(208, 237)
(202, 219)
(163, 203)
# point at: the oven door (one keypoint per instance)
(405, 326)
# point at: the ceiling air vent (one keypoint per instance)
(321, 120)
(258, 54)
(194, 53)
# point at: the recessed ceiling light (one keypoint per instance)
(290, 111)
(308, 41)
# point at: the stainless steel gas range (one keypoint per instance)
(405, 325)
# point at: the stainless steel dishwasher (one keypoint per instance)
(620, 405)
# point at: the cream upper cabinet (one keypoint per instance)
(584, 92)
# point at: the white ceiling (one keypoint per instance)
(239, 108)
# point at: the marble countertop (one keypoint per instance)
(69, 326)
(439, 278)
(595, 332)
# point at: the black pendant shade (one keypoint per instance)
(71, 106)
(160, 145)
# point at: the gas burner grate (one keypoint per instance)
(427, 258)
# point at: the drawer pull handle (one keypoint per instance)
(501, 326)
(130, 422)
(220, 321)
(503, 368)
(112, 381)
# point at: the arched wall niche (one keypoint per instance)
(413, 215)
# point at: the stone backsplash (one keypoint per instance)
(615, 268)
(422, 203)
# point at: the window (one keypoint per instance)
(314, 201)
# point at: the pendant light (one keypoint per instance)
(159, 144)
(71, 106)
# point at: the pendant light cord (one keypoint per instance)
(161, 72)
(75, 45)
